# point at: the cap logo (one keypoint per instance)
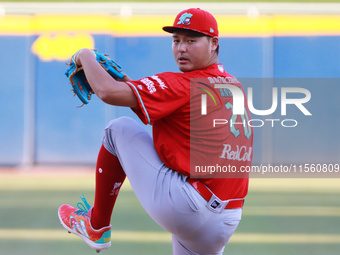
(185, 19)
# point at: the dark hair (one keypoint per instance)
(217, 50)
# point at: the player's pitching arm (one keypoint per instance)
(105, 87)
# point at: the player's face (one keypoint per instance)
(193, 51)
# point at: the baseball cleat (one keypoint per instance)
(78, 221)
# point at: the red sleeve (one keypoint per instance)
(159, 95)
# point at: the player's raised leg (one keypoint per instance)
(166, 195)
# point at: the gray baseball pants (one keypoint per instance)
(166, 196)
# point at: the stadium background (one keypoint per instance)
(48, 145)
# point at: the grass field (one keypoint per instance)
(281, 216)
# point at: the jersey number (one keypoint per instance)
(233, 121)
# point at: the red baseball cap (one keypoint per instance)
(195, 19)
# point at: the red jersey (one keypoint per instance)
(189, 141)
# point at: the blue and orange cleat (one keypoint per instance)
(78, 222)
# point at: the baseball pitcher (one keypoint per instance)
(181, 175)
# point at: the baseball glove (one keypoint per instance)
(76, 75)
